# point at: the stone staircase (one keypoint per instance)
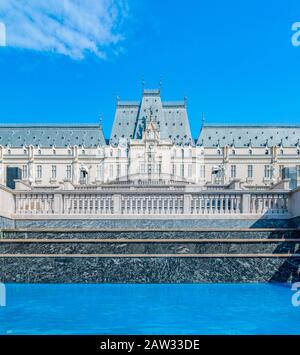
(150, 255)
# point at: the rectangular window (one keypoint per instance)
(53, 172)
(190, 170)
(250, 171)
(267, 172)
(24, 171)
(142, 169)
(174, 169)
(158, 168)
(202, 171)
(233, 171)
(100, 171)
(118, 170)
(39, 172)
(69, 172)
(182, 170)
(111, 170)
(281, 167)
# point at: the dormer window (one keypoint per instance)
(219, 152)
(267, 152)
(250, 151)
(233, 151)
(281, 151)
(25, 151)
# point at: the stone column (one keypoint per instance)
(58, 204)
(117, 203)
(187, 203)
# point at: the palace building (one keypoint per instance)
(150, 140)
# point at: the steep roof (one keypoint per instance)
(51, 135)
(243, 136)
(171, 119)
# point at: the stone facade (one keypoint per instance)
(149, 139)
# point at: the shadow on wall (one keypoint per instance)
(289, 271)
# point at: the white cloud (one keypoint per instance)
(68, 27)
(2, 35)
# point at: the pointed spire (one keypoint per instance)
(143, 84)
(100, 121)
(160, 83)
(203, 119)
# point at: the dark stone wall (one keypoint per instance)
(160, 269)
(296, 222)
(156, 223)
(147, 234)
(149, 270)
(150, 248)
(6, 223)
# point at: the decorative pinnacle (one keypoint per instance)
(160, 83)
(100, 120)
(203, 119)
(143, 84)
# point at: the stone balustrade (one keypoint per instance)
(176, 202)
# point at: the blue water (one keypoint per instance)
(149, 309)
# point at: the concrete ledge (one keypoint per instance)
(169, 217)
(158, 230)
(142, 256)
(179, 240)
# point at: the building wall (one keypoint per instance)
(194, 163)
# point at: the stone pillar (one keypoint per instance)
(117, 203)
(245, 203)
(187, 204)
(75, 166)
(58, 204)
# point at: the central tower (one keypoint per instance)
(170, 118)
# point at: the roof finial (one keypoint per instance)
(160, 83)
(185, 100)
(143, 84)
(203, 119)
(100, 120)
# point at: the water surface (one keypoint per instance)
(149, 309)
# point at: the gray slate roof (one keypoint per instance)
(131, 119)
(51, 135)
(243, 136)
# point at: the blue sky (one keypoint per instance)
(233, 59)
